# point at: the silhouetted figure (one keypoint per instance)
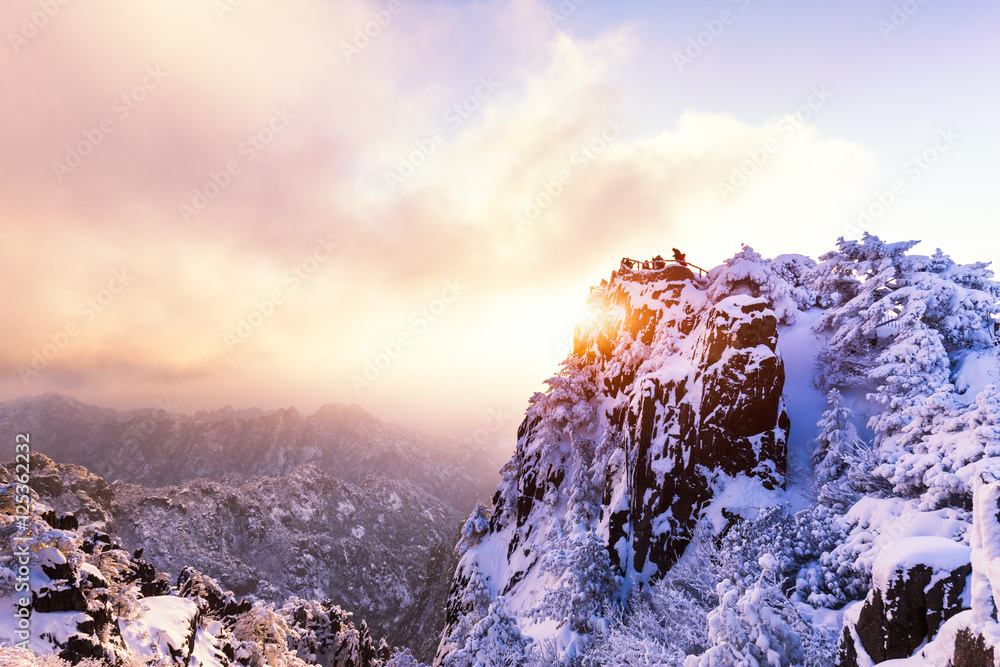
(679, 257)
(659, 262)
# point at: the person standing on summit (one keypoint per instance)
(679, 257)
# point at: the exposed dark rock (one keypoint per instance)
(896, 619)
(735, 424)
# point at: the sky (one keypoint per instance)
(403, 204)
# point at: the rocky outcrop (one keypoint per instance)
(970, 639)
(918, 584)
(79, 593)
(82, 499)
(725, 416)
(667, 397)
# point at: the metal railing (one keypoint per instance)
(659, 265)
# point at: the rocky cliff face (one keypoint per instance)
(669, 399)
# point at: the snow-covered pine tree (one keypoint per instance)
(877, 290)
(914, 388)
(474, 528)
(852, 280)
(986, 420)
(577, 555)
(474, 602)
(566, 407)
(494, 641)
(911, 369)
(583, 495)
(726, 632)
(587, 580)
(836, 442)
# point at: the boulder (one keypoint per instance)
(918, 583)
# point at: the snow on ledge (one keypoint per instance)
(940, 554)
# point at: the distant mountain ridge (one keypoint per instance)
(154, 447)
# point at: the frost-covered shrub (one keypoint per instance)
(752, 628)
(773, 531)
(323, 633)
(264, 635)
(778, 282)
(404, 658)
(15, 657)
(474, 527)
(668, 620)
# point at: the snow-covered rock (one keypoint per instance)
(918, 583)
